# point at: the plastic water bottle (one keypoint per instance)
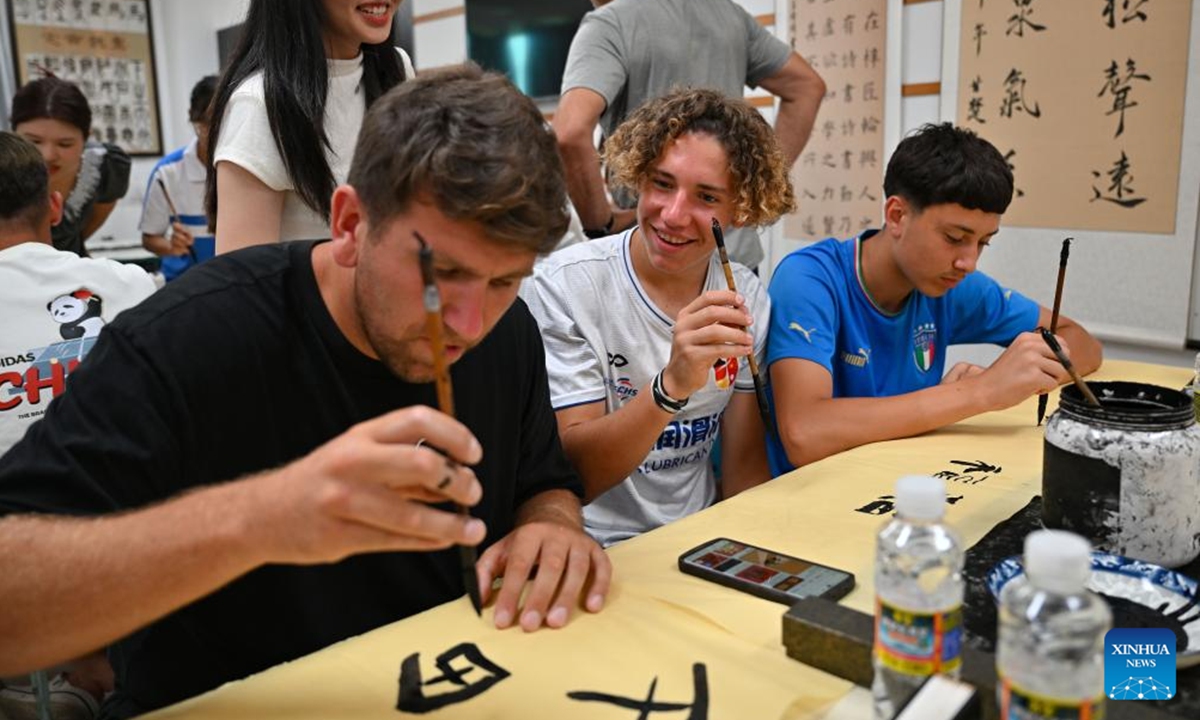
(919, 595)
(1050, 660)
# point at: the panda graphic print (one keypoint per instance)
(33, 376)
(77, 314)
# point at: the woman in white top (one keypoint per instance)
(287, 113)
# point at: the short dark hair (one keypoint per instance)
(24, 181)
(945, 164)
(762, 190)
(202, 95)
(474, 145)
(53, 98)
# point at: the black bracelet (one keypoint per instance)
(603, 232)
(662, 399)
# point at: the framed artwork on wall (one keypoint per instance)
(106, 47)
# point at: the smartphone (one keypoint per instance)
(765, 573)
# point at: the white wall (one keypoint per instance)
(185, 50)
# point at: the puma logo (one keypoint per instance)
(806, 333)
(860, 360)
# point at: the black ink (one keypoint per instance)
(1120, 186)
(1119, 87)
(979, 33)
(975, 104)
(412, 698)
(1129, 13)
(1008, 156)
(698, 706)
(1018, 21)
(978, 466)
(1014, 96)
(881, 506)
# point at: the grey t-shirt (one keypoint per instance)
(630, 51)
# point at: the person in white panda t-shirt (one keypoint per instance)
(55, 305)
(55, 302)
(646, 347)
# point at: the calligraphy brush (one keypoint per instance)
(759, 391)
(1066, 363)
(174, 213)
(1062, 275)
(445, 396)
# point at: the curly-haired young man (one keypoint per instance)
(645, 345)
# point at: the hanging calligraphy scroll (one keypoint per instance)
(1085, 98)
(838, 178)
(107, 49)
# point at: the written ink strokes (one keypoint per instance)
(475, 676)
(697, 709)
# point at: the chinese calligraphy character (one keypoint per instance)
(979, 33)
(1008, 156)
(848, 24)
(975, 472)
(1018, 21)
(698, 708)
(412, 697)
(1119, 88)
(1120, 186)
(872, 21)
(1130, 13)
(975, 104)
(1014, 98)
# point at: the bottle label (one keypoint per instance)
(1017, 703)
(918, 643)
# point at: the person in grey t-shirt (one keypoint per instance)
(630, 51)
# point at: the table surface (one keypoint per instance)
(668, 640)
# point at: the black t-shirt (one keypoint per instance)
(238, 367)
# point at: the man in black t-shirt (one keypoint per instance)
(236, 446)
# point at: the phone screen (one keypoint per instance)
(742, 563)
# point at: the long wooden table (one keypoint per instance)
(669, 643)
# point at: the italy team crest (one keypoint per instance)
(924, 345)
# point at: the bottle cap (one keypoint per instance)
(1058, 561)
(920, 497)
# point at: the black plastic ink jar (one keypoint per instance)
(1125, 475)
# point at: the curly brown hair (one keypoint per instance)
(762, 189)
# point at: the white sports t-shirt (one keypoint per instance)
(605, 341)
(55, 304)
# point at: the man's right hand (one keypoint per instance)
(711, 327)
(1027, 367)
(369, 490)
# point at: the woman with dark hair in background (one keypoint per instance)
(54, 115)
(287, 114)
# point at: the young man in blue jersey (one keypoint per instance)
(859, 327)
